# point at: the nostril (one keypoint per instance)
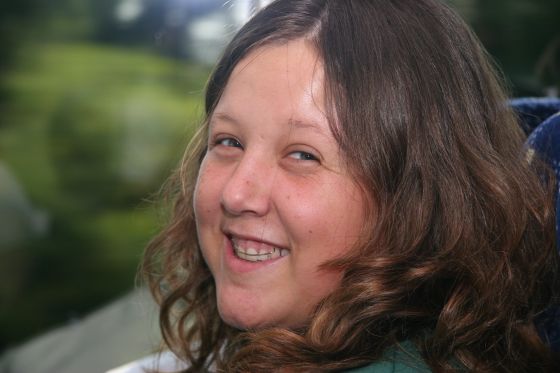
(246, 197)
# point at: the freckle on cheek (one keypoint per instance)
(310, 231)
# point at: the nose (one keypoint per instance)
(248, 190)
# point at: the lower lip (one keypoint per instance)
(236, 264)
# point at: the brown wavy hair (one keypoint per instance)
(460, 254)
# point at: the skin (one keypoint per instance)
(273, 176)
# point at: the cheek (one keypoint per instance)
(330, 220)
(206, 204)
(206, 194)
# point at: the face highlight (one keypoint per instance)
(273, 200)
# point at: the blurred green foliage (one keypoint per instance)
(89, 132)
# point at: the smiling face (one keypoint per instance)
(273, 200)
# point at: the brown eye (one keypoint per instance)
(229, 142)
(303, 156)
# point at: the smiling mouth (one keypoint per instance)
(253, 251)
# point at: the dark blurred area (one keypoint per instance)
(524, 38)
(98, 99)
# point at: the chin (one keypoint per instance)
(241, 319)
(241, 323)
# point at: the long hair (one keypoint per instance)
(459, 256)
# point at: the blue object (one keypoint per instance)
(544, 140)
(532, 111)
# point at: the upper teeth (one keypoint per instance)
(251, 254)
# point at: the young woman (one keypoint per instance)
(356, 198)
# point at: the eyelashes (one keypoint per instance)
(228, 142)
(303, 156)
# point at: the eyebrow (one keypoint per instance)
(292, 122)
(305, 125)
(223, 116)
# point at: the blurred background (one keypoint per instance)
(98, 99)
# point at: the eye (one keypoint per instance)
(303, 156)
(229, 142)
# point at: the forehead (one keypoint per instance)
(299, 53)
(278, 68)
(278, 82)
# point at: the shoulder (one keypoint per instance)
(402, 358)
(162, 362)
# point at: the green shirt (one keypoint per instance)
(402, 358)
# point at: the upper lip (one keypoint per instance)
(234, 234)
